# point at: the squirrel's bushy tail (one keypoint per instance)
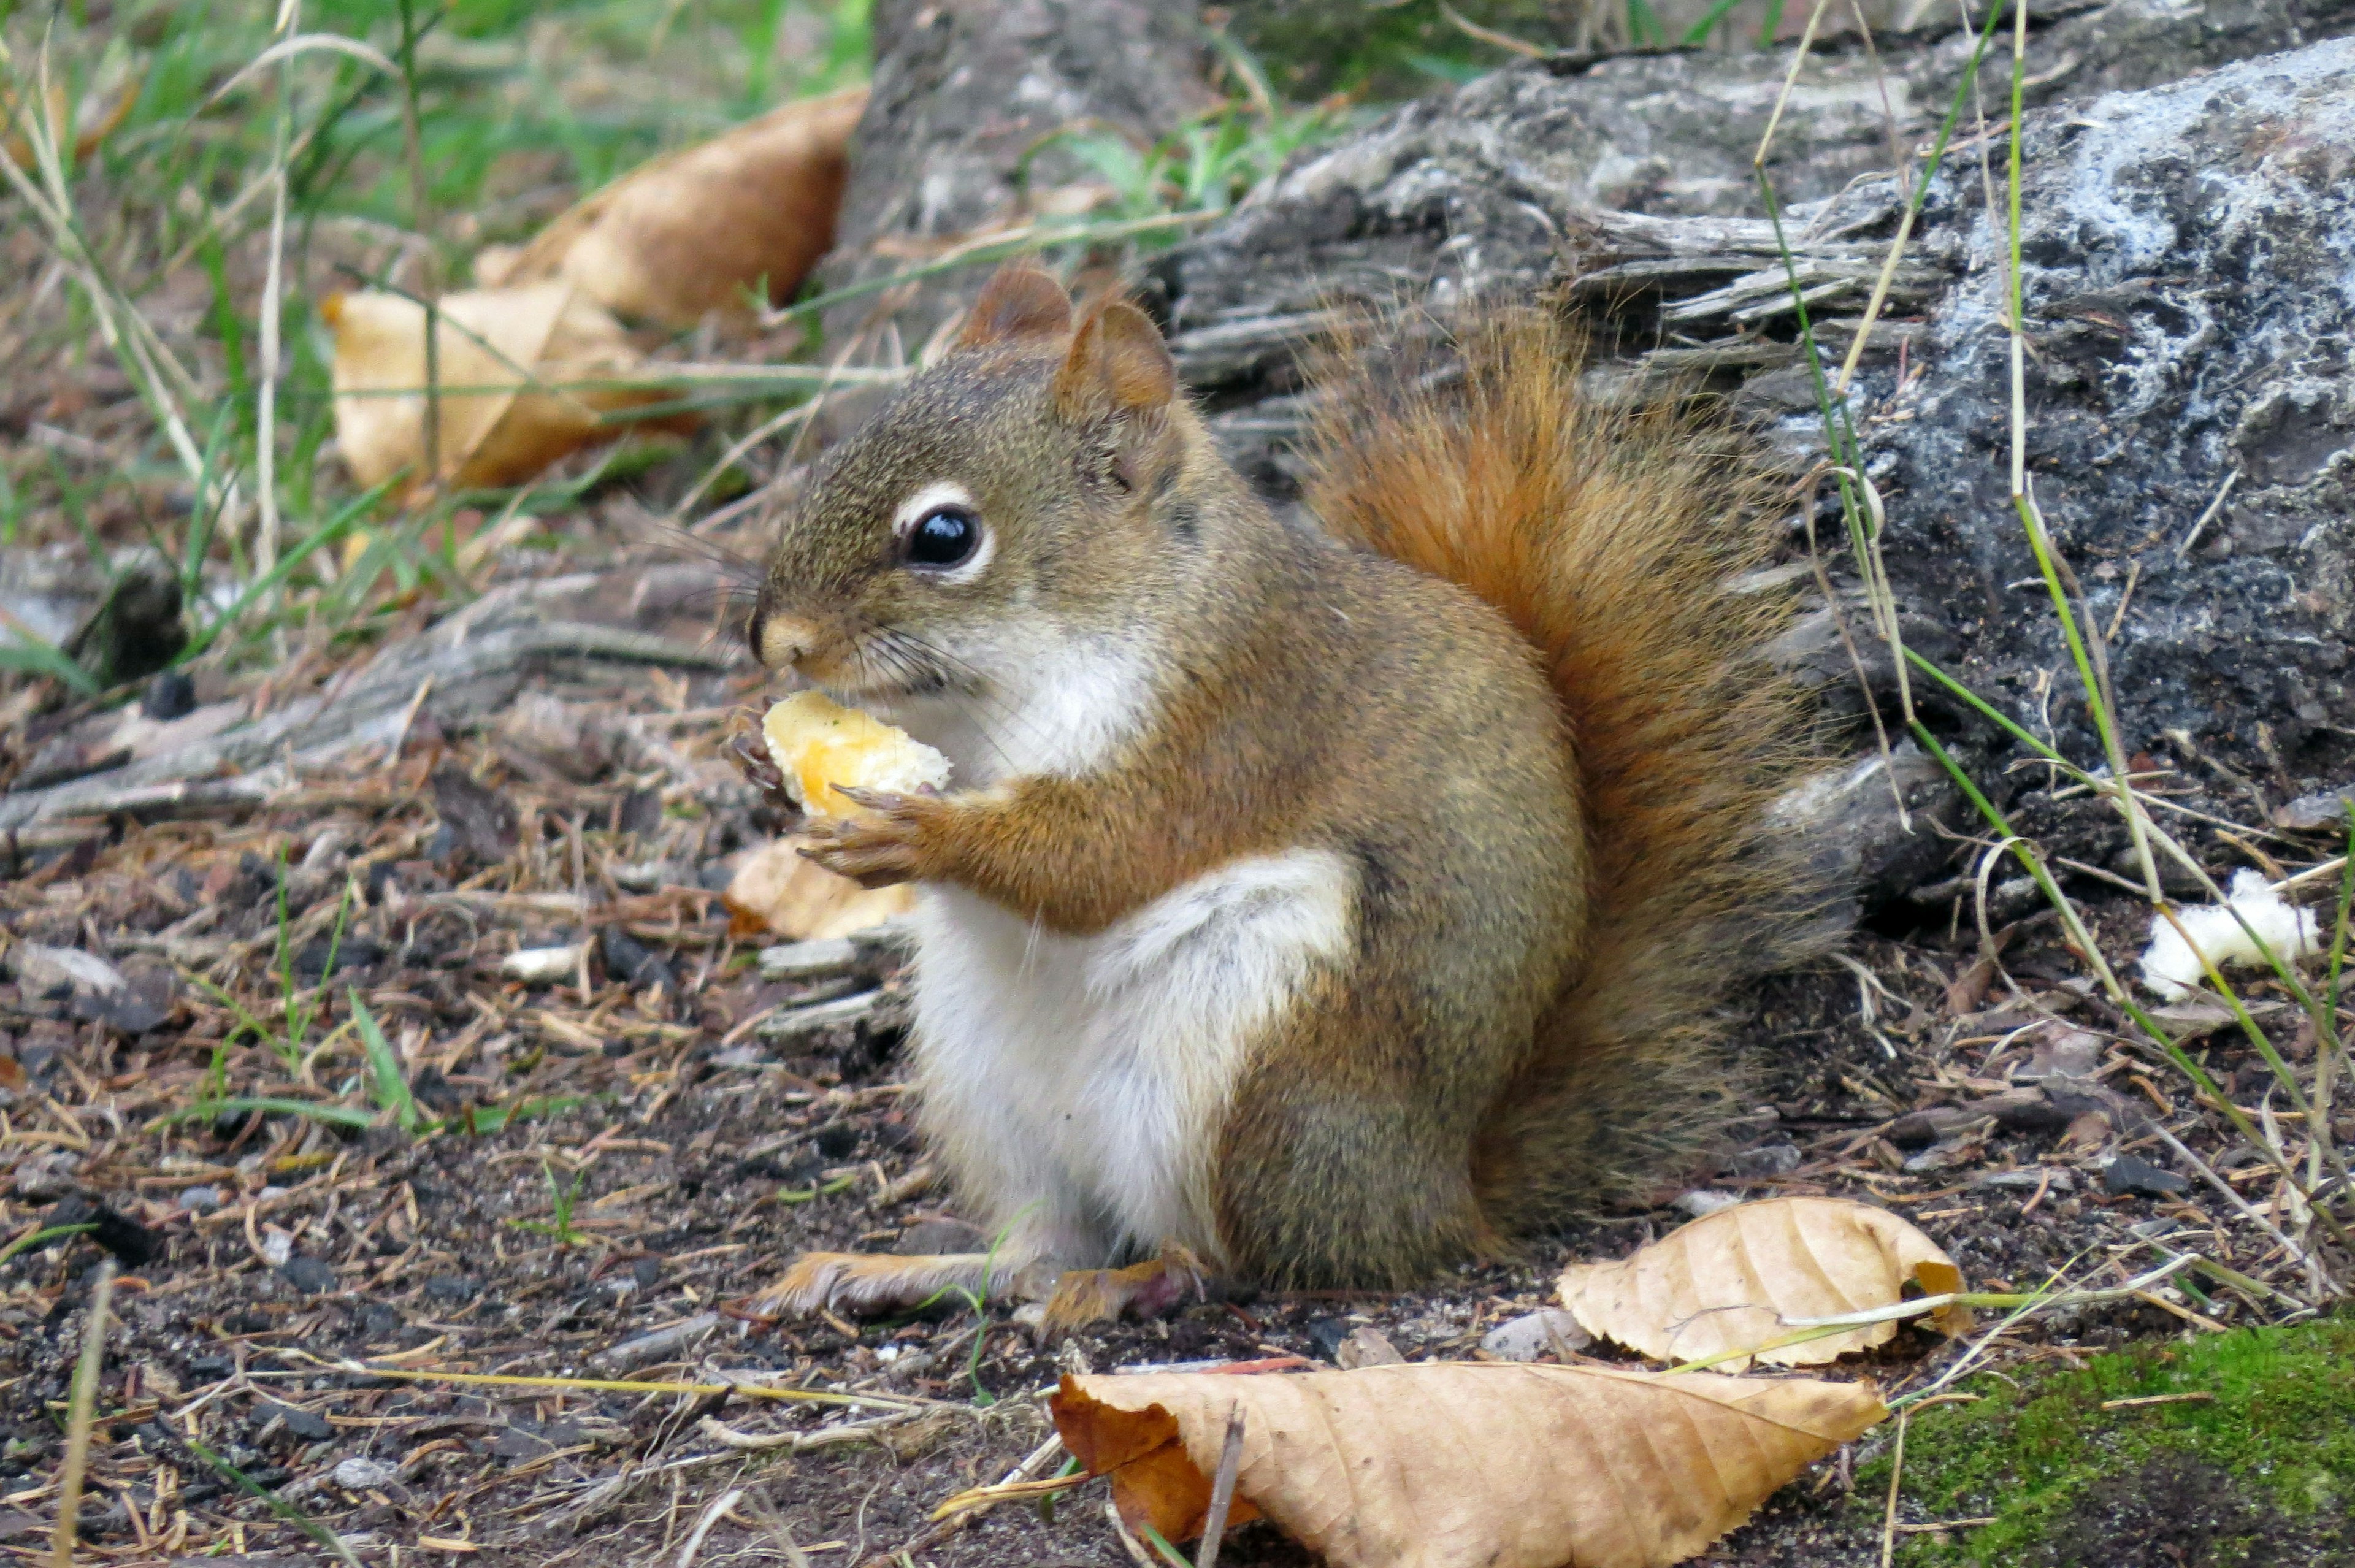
(1612, 537)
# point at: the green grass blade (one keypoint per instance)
(269, 1105)
(391, 1087)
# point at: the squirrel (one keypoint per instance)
(1323, 901)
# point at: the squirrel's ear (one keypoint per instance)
(1117, 365)
(1018, 300)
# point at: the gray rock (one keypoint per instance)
(311, 1276)
(2187, 295)
(307, 1424)
(45, 971)
(1767, 1160)
(1365, 1346)
(2140, 1179)
(199, 1199)
(1547, 1331)
(358, 1474)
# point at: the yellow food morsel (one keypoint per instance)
(818, 743)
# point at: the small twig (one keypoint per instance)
(265, 404)
(1506, 41)
(1896, 1479)
(613, 1385)
(2209, 516)
(798, 1442)
(1222, 1492)
(710, 1517)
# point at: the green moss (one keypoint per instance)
(2260, 1472)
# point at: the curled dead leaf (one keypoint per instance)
(91, 126)
(777, 893)
(690, 231)
(1446, 1465)
(1726, 1286)
(524, 376)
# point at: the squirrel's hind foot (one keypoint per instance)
(864, 1284)
(1091, 1295)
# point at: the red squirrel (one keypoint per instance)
(1319, 902)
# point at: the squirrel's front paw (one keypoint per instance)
(752, 759)
(893, 839)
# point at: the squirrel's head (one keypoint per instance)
(1018, 494)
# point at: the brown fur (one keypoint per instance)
(1610, 538)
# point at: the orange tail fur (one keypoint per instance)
(1613, 538)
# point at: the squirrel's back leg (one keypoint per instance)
(1343, 1161)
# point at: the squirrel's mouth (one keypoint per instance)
(885, 662)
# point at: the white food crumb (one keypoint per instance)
(2172, 968)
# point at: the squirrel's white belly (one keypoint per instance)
(1075, 1085)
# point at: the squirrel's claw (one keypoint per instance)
(751, 753)
(883, 846)
(1092, 1295)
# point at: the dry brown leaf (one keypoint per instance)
(690, 231)
(776, 892)
(95, 124)
(1733, 1281)
(1446, 1465)
(510, 366)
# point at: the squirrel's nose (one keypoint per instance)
(780, 642)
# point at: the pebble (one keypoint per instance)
(1366, 1347)
(311, 1276)
(541, 966)
(1767, 1160)
(1549, 1330)
(47, 1175)
(2141, 1178)
(357, 1475)
(307, 1424)
(1703, 1202)
(43, 971)
(199, 1199)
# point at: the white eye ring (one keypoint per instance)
(933, 499)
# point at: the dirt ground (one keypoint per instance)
(640, 1161)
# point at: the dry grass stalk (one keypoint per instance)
(84, 1403)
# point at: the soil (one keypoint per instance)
(645, 1162)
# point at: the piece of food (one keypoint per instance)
(778, 892)
(819, 743)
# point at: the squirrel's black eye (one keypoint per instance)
(945, 536)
